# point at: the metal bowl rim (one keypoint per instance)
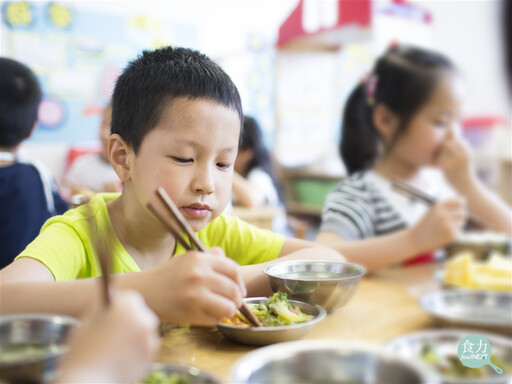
(267, 354)
(51, 317)
(361, 271)
(322, 312)
(441, 294)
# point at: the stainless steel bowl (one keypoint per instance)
(480, 244)
(187, 373)
(31, 345)
(270, 335)
(330, 284)
(483, 309)
(328, 361)
(445, 343)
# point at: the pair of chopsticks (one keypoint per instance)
(184, 226)
(410, 191)
(102, 253)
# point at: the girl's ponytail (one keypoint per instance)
(359, 139)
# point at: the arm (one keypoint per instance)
(246, 193)
(115, 345)
(437, 228)
(197, 288)
(257, 282)
(454, 159)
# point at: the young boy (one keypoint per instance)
(176, 123)
(28, 193)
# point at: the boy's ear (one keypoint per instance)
(119, 153)
(385, 121)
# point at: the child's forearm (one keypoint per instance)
(376, 252)
(73, 298)
(488, 206)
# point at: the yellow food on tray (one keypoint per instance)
(494, 274)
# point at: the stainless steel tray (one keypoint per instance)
(488, 309)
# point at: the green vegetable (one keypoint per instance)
(279, 311)
(161, 377)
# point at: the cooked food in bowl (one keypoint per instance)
(275, 312)
(31, 345)
(287, 330)
(12, 353)
(177, 374)
(328, 283)
(439, 349)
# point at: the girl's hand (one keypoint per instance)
(115, 345)
(195, 288)
(440, 225)
(454, 159)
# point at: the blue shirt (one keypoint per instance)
(24, 209)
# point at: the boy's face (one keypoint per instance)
(191, 154)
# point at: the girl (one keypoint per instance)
(402, 123)
(254, 182)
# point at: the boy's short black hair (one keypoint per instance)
(156, 78)
(20, 95)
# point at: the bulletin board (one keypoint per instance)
(77, 56)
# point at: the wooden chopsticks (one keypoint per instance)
(411, 191)
(184, 226)
(102, 253)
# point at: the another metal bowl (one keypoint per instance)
(445, 342)
(482, 309)
(270, 335)
(328, 361)
(184, 374)
(480, 244)
(31, 345)
(330, 284)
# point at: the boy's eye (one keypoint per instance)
(223, 166)
(181, 160)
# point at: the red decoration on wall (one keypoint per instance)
(353, 17)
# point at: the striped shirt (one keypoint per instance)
(365, 205)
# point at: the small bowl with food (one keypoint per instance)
(167, 373)
(439, 349)
(31, 346)
(481, 245)
(330, 284)
(328, 361)
(282, 320)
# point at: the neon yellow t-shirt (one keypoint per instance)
(65, 248)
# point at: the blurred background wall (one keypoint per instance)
(77, 48)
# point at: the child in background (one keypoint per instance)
(93, 172)
(402, 123)
(27, 189)
(254, 181)
(112, 345)
(176, 124)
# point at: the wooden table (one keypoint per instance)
(384, 306)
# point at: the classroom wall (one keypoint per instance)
(239, 34)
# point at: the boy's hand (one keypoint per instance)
(196, 288)
(115, 345)
(440, 225)
(454, 159)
